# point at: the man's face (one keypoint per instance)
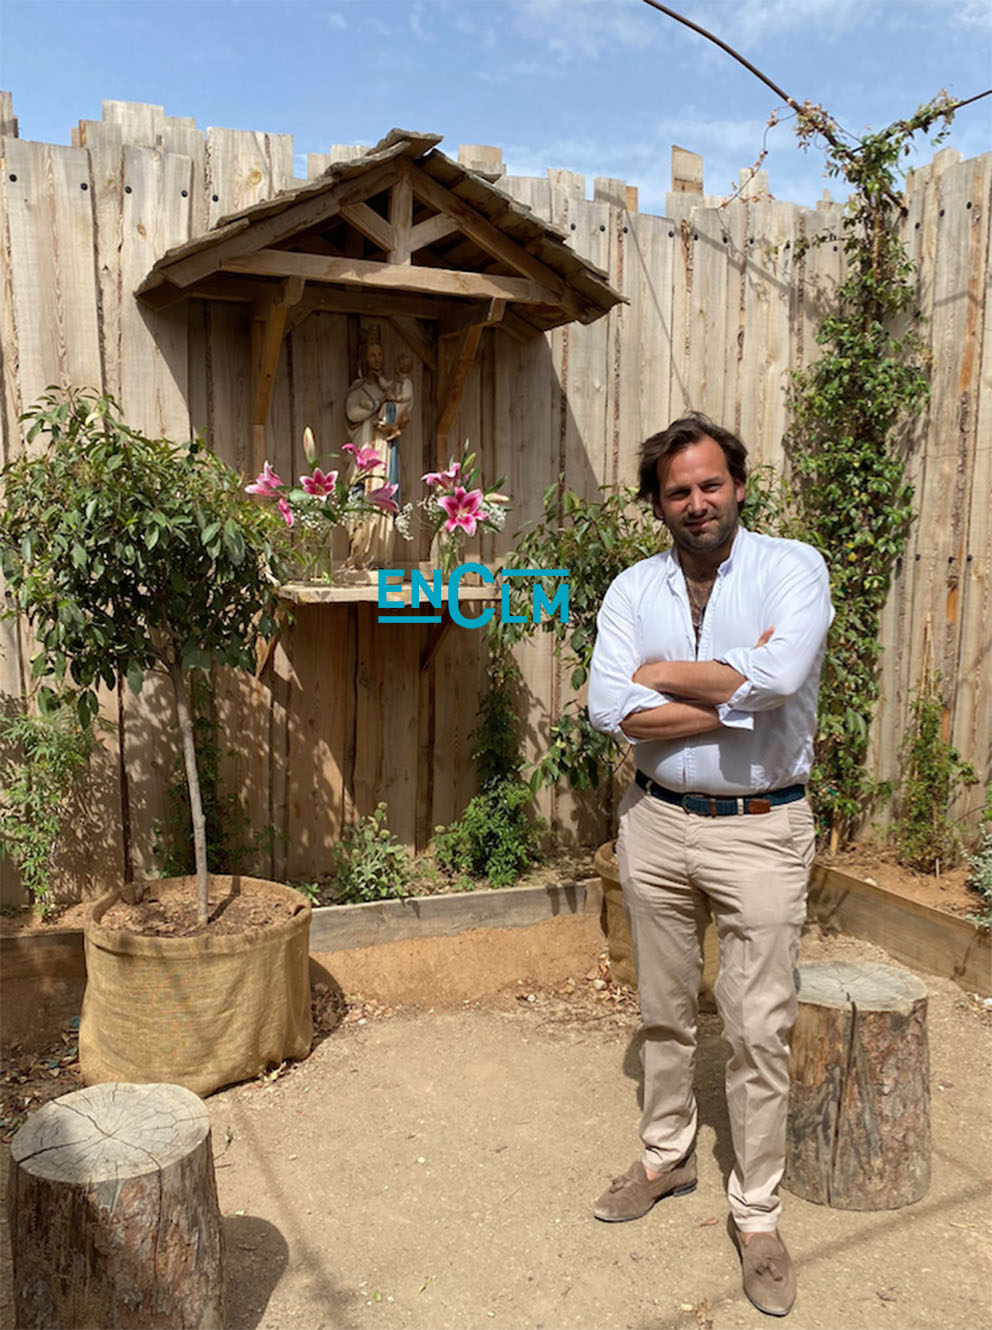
(699, 498)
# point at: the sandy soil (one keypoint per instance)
(434, 1170)
(946, 891)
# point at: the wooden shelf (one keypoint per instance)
(362, 588)
(324, 593)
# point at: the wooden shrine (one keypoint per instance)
(401, 233)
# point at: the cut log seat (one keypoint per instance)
(114, 1218)
(859, 1110)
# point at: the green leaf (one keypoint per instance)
(135, 677)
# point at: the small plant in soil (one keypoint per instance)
(980, 879)
(130, 555)
(932, 771)
(43, 764)
(368, 864)
(496, 838)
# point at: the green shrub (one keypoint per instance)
(494, 838)
(931, 772)
(980, 880)
(369, 863)
(43, 760)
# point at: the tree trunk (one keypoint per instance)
(114, 1218)
(125, 789)
(185, 715)
(859, 1111)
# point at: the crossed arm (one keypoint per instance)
(697, 687)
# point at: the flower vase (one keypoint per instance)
(314, 556)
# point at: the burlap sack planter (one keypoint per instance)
(201, 1012)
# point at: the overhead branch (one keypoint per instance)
(823, 124)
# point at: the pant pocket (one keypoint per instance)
(802, 826)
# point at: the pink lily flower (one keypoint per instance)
(287, 512)
(444, 479)
(320, 484)
(463, 509)
(383, 498)
(266, 483)
(366, 459)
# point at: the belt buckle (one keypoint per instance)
(702, 798)
(759, 806)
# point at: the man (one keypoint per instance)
(708, 660)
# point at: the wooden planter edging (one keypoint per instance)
(43, 974)
(349, 927)
(915, 934)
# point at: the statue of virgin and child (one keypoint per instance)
(378, 408)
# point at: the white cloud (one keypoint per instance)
(335, 20)
(972, 14)
(754, 22)
(581, 29)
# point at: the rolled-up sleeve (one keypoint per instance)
(612, 692)
(798, 608)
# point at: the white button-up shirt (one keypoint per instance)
(765, 740)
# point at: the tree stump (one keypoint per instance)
(859, 1109)
(113, 1213)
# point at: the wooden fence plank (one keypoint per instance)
(50, 221)
(244, 167)
(971, 728)
(706, 322)
(155, 368)
(737, 225)
(105, 144)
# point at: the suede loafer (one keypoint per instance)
(768, 1275)
(632, 1195)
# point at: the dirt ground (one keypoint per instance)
(435, 1169)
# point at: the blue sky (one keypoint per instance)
(603, 87)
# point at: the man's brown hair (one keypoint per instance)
(679, 435)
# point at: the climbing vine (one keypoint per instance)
(849, 413)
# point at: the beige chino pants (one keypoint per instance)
(750, 872)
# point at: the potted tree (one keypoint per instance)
(132, 556)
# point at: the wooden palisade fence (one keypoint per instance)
(722, 304)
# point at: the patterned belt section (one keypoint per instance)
(709, 805)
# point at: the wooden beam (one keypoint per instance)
(273, 321)
(274, 230)
(436, 633)
(432, 229)
(367, 220)
(161, 296)
(454, 385)
(487, 313)
(389, 276)
(236, 289)
(401, 217)
(382, 304)
(492, 239)
(421, 346)
(520, 329)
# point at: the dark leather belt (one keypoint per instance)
(708, 805)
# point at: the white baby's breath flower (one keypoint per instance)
(403, 520)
